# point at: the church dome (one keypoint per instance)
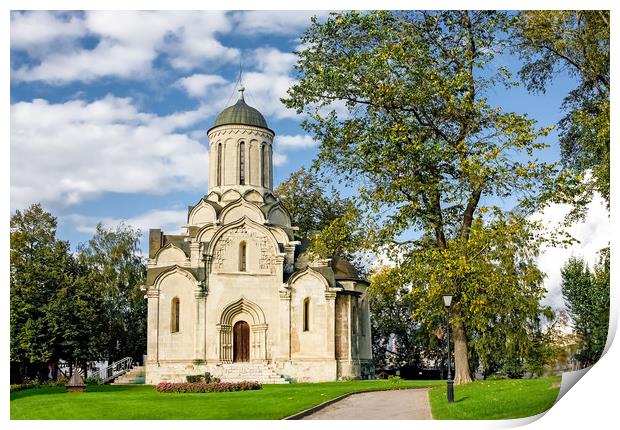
(241, 113)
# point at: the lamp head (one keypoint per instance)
(447, 300)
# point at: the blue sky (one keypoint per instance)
(109, 110)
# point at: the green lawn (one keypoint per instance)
(479, 400)
(494, 400)
(144, 402)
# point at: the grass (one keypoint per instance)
(500, 399)
(494, 400)
(125, 402)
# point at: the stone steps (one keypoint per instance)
(135, 376)
(250, 372)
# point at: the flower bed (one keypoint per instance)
(203, 387)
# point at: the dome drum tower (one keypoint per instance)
(240, 151)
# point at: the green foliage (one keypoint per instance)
(61, 381)
(208, 378)
(498, 288)
(194, 378)
(587, 298)
(391, 317)
(52, 309)
(330, 222)
(577, 43)
(73, 308)
(428, 153)
(309, 200)
(93, 380)
(393, 379)
(21, 387)
(117, 272)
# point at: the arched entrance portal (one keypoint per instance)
(241, 342)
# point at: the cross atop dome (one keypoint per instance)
(241, 90)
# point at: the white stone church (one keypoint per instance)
(234, 295)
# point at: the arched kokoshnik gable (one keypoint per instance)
(227, 238)
(203, 212)
(174, 270)
(258, 330)
(309, 271)
(171, 254)
(239, 208)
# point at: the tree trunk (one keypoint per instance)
(461, 362)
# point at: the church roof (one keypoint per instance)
(241, 113)
(344, 270)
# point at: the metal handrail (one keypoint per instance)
(115, 369)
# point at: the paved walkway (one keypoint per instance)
(378, 405)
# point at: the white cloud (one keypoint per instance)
(128, 42)
(275, 22)
(35, 30)
(593, 234)
(67, 152)
(272, 61)
(168, 220)
(198, 84)
(279, 159)
(298, 141)
(266, 80)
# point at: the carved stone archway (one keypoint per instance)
(258, 330)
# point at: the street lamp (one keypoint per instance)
(447, 301)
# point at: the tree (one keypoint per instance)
(392, 322)
(574, 42)
(309, 200)
(587, 298)
(75, 319)
(328, 221)
(40, 266)
(118, 272)
(427, 151)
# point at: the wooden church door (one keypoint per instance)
(241, 342)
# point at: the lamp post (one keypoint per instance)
(447, 301)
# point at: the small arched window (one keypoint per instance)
(219, 164)
(242, 256)
(174, 315)
(307, 314)
(363, 318)
(242, 163)
(265, 156)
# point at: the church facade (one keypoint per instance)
(234, 295)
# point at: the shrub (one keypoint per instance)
(61, 381)
(203, 387)
(92, 380)
(211, 379)
(195, 378)
(497, 377)
(394, 379)
(20, 387)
